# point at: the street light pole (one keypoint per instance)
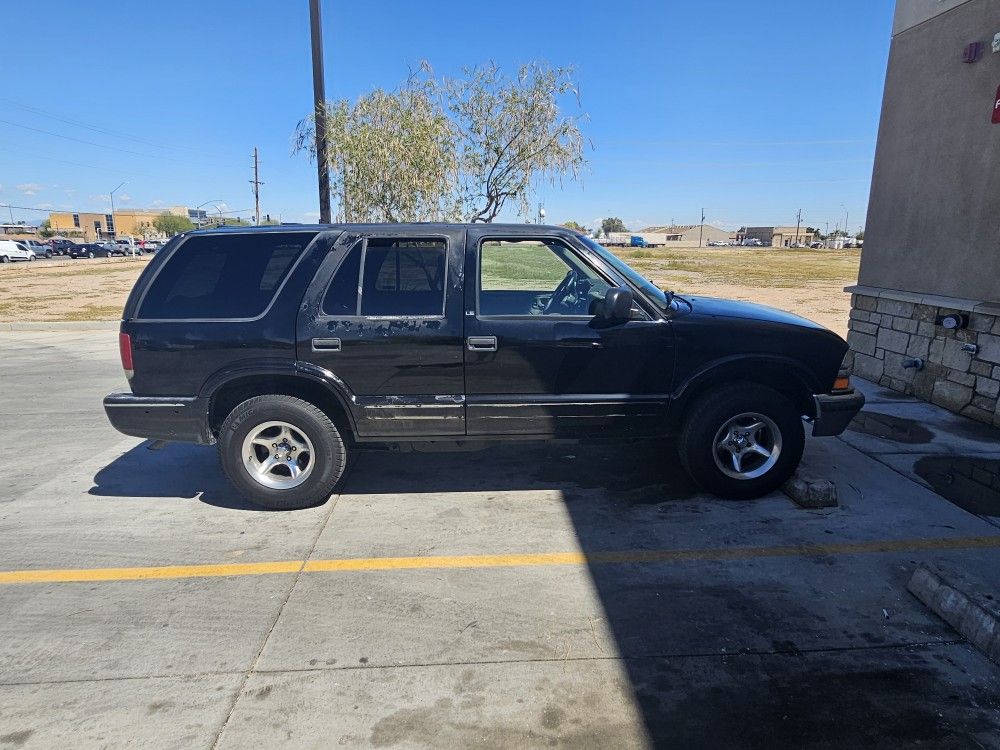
(114, 223)
(319, 101)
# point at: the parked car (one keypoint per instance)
(11, 251)
(291, 347)
(816, 244)
(60, 246)
(40, 249)
(91, 250)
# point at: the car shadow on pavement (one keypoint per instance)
(169, 471)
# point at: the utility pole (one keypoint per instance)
(256, 187)
(319, 100)
(846, 214)
(798, 225)
(701, 229)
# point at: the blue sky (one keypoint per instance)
(751, 110)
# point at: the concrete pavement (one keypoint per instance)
(760, 624)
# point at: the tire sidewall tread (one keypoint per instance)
(710, 411)
(330, 452)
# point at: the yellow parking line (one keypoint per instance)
(354, 564)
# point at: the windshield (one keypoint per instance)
(648, 287)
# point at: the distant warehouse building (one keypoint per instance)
(776, 236)
(689, 234)
(126, 222)
(925, 317)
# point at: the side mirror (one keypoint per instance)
(618, 303)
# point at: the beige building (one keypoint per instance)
(925, 317)
(776, 236)
(689, 234)
(126, 222)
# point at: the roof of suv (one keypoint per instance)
(403, 227)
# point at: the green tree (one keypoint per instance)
(171, 224)
(613, 224)
(860, 235)
(391, 154)
(45, 229)
(450, 149)
(576, 227)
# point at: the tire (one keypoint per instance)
(708, 422)
(90, 254)
(4, 259)
(308, 427)
(31, 257)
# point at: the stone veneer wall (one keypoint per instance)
(887, 328)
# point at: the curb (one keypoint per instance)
(810, 492)
(978, 626)
(61, 325)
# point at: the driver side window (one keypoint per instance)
(535, 277)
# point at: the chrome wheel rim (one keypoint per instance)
(278, 455)
(747, 446)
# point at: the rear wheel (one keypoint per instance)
(281, 452)
(741, 441)
(31, 257)
(4, 259)
(90, 254)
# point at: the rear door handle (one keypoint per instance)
(481, 343)
(326, 345)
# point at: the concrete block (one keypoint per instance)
(976, 624)
(926, 329)
(859, 315)
(810, 492)
(861, 342)
(875, 318)
(894, 341)
(987, 387)
(925, 314)
(978, 367)
(996, 373)
(996, 327)
(894, 307)
(981, 322)
(984, 404)
(856, 325)
(954, 358)
(904, 324)
(918, 346)
(989, 348)
(953, 396)
(864, 302)
(894, 369)
(879, 353)
(867, 367)
(935, 352)
(964, 378)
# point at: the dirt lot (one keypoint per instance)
(808, 282)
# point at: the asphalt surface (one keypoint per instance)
(523, 596)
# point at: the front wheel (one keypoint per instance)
(90, 254)
(281, 452)
(31, 257)
(741, 441)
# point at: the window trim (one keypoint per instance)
(317, 235)
(541, 239)
(323, 315)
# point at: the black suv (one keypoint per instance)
(291, 346)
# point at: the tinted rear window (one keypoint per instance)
(223, 276)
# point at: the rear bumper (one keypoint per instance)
(835, 411)
(183, 419)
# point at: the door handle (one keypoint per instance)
(326, 345)
(481, 343)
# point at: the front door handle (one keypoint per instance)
(481, 343)
(326, 345)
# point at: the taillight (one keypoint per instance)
(125, 349)
(842, 383)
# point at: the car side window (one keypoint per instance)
(520, 277)
(403, 277)
(341, 298)
(223, 276)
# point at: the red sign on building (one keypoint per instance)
(996, 108)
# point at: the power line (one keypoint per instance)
(103, 131)
(98, 145)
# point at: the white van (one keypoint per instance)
(11, 251)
